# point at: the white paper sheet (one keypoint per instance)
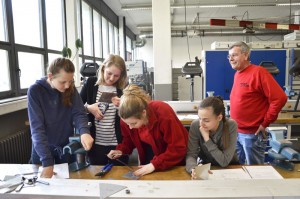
(262, 172)
(225, 174)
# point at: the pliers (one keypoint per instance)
(104, 170)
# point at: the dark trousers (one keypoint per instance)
(98, 156)
(57, 155)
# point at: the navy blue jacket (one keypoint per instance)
(51, 122)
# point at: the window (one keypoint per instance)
(55, 25)
(27, 24)
(87, 29)
(51, 57)
(116, 37)
(4, 75)
(105, 37)
(97, 34)
(3, 31)
(31, 68)
(111, 38)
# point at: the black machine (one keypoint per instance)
(190, 70)
(88, 69)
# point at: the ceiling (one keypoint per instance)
(198, 13)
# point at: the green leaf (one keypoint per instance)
(69, 52)
(64, 52)
(78, 43)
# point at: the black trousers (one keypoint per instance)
(98, 156)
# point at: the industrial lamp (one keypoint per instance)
(190, 69)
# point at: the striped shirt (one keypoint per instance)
(105, 128)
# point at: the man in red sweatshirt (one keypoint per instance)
(255, 101)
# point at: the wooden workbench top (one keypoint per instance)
(284, 117)
(176, 173)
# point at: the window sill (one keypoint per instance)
(13, 104)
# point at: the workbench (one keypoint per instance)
(176, 173)
(173, 183)
(284, 118)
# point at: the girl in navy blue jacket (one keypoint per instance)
(54, 107)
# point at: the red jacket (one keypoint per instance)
(164, 133)
(256, 99)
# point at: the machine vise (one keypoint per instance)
(75, 148)
(281, 150)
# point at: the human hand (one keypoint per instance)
(47, 172)
(116, 101)
(94, 109)
(86, 141)
(193, 175)
(114, 154)
(204, 133)
(263, 130)
(144, 169)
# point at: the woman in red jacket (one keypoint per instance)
(153, 128)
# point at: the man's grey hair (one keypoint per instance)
(244, 47)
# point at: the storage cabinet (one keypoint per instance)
(218, 74)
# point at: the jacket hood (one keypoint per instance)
(43, 82)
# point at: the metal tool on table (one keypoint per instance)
(104, 170)
(129, 167)
(75, 148)
(16, 183)
(281, 150)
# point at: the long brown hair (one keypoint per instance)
(133, 102)
(120, 64)
(54, 68)
(217, 104)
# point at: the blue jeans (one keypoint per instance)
(250, 148)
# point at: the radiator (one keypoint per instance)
(16, 148)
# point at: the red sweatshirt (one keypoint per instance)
(165, 134)
(256, 99)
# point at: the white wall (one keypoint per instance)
(180, 47)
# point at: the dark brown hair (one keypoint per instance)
(217, 104)
(54, 68)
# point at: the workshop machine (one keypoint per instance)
(190, 70)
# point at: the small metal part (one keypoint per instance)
(129, 167)
(127, 191)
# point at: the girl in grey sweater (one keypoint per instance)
(212, 137)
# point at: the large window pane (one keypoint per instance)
(3, 31)
(32, 68)
(111, 38)
(55, 25)
(27, 22)
(105, 37)
(87, 27)
(4, 75)
(52, 56)
(116, 37)
(97, 34)
(128, 44)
